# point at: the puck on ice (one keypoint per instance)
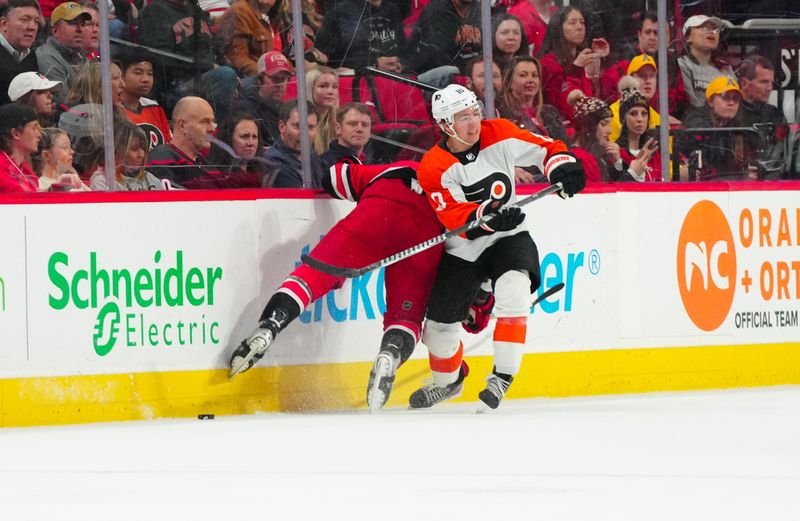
(205, 416)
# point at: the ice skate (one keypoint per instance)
(252, 350)
(396, 346)
(258, 343)
(381, 379)
(431, 394)
(496, 388)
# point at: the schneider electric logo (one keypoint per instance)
(706, 265)
(129, 301)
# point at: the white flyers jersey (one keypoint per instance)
(459, 186)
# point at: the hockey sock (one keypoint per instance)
(446, 370)
(509, 344)
(284, 302)
(400, 340)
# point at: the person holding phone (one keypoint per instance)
(638, 146)
(570, 61)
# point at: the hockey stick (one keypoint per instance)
(350, 273)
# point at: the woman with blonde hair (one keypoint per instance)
(322, 86)
(53, 161)
(87, 87)
(130, 154)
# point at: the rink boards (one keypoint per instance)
(126, 306)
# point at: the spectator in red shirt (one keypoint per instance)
(636, 146)
(534, 15)
(565, 55)
(19, 138)
(600, 157)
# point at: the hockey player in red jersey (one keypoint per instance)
(391, 214)
(467, 175)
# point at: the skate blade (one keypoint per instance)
(376, 398)
(239, 368)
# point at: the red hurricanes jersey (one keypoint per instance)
(459, 186)
(151, 118)
(348, 180)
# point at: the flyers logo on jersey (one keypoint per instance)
(496, 186)
(706, 265)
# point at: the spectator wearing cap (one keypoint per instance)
(264, 95)
(353, 132)
(62, 54)
(718, 155)
(600, 157)
(702, 60)
(168, 25)
(137, 75)
(19, 24)
(642, 75)
(33, 89)
(19, 138)
(245, 33)
(756, 78)
(180, 162)
(283, 158)
(646, 43)
(636, 147)
(534, 15)
(358, 33)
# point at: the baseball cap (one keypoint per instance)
(15, 115)
(641, 61)
(26, 82)
(81, 121)
(722, 85)
(698, 20)
(67, 11)
(272, 63)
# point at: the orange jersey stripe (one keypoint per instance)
(447, 365)
(511, 330)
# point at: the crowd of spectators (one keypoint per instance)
(203, 93)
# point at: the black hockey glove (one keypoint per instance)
(505, 218)
(567, 170)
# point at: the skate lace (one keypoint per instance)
(497, 386)
(434, 392)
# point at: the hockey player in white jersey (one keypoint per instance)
(467, 175)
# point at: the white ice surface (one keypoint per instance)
(727, 455)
